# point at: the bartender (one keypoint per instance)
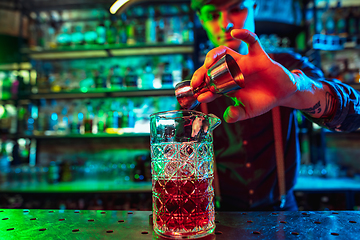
(244, 145)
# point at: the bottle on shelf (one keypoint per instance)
(63, 39)
(5, 90)
(187, 30)
(140, 22)
(130, 77)
(42, 123)
(90, 34)
(121, 29)
(167, 80)
(101, 121)
(63, 125)
(328, 19)
(351, 22)
(53, 173)
(115, 78)
(148, 77)
(150, 26)
(74, 119)
(341, 14)
(101, 33)
(77, 36)
(54, 117)
(112, 38)
(89, 117)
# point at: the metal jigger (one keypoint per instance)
(223, 77)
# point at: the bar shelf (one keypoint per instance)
(109, 51)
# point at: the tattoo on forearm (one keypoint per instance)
(329, 108)
(330, 105)
(315, 109)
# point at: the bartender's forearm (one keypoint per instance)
(313, 98)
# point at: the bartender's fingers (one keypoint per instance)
(215, 54)
(234, 114)
(250, 38)
(207, 97)
(198, 77)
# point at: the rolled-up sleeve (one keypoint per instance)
(347, 114)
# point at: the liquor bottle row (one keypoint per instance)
(343, 65)
(94, 116)
(14, 82)
(341, 21)
(132, 167)
(138, 25)
(113, 73)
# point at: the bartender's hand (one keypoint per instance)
(267, 83)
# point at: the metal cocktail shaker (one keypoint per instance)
(223, 77)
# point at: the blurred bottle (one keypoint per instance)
(150, 26)
(54, 117)
(77, 36)
(101, 32)
(112, 37)
(130, 77)
(32, 31)
(5, 93)
(53, 173)
(63, 126)
(73, 119)
(351, 22)
(65, 172)
(101, 121)
(130, 32)
(30, 120)
(15, 87)
(148, 77)
(187, 31)
(21, 119)
(121, 29)
(42, 124)
(328, 19)
(139, 21)
(166, 76)
(115, 78)
(341, 14)
(41, 29)
(4, 164)
(63, 39)
(89, 117)
(100, 78)
(139, 171)
(5, 121)
(90, 35)
(160, 30)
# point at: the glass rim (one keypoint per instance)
(194, 112)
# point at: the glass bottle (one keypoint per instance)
(64, 38)
(150, 26)
(130, 77)
(77, 37)
(6, 87)
(89, 117)
(116, 80)
(90, 35)
(166, 76)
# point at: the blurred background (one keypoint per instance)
(77, 86)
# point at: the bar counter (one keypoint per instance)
(91, 224)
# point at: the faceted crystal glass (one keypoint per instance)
(182, 173)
